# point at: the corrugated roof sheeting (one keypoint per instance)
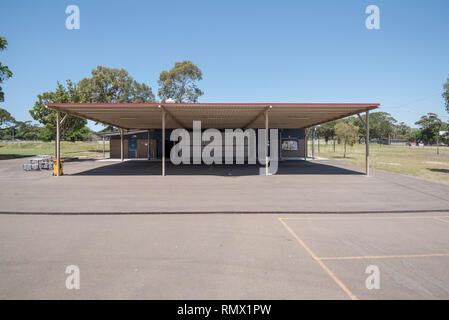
(213, 115)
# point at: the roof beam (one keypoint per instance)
(89, 118)
(173, 117)
(63, 119)
(361, 119)
(256, 117)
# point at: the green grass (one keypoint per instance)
(399, 159)
(68, 149)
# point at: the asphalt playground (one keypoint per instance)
(309, 232)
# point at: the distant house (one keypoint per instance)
(392, 142)
(398, 142)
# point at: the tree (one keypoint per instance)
(179, 83)
(109, 85)
(112, 85)
(10, 128)
(45, 134)
(381, 125)
(7, 122)
(445, 136)
(446, 94)
(402, 131)
(25, 130)
(430, 126)
(5, 73)
(326, 130)
(79, 135)
(347, 132)
(47, 117)
(5, 118)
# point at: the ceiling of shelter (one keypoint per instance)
(219, 116)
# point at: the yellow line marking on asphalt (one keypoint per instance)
(362, 218)
(440, 219)
(325, 268)
(387, 256)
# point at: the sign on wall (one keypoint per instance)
(290, 145)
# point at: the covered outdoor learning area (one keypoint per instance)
(159, 118)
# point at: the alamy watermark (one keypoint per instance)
(73, 20)
(372, 22)
(73, 280)
(207, 147)
(373, 280)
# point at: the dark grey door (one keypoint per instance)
(132, 148)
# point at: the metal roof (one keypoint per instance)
(212, 115)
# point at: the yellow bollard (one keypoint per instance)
(55, 167)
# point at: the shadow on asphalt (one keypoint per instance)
(154, 168)
(10, 156)
(439, 170)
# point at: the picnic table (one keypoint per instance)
(38, 163)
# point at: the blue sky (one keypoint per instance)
(249, 51)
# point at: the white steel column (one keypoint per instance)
(313, 142)
(367, 142)
(163, 142)
(306, 144)
(148, 145)
(266, 143)
(58, 151)
(122, 146)
(103, 148)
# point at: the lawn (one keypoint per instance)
(77, 149)
(415, 161)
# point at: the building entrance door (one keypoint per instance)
(132, 148)
(152, 149)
